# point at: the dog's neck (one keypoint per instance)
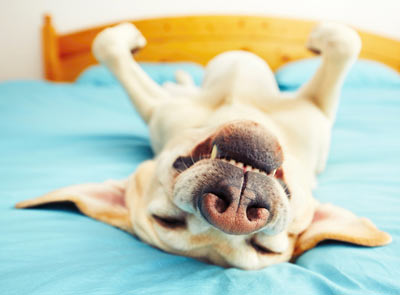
(167, 133)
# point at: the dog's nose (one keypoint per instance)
(235, 210)
(231, 218)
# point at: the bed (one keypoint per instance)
(78, 126)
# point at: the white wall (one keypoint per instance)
(20, 20)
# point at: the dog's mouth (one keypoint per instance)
(233, 182)
(244, 144)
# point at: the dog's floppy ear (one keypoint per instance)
(110, 201)
(334, 223)
(102, 201)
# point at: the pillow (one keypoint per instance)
(364, 73)
(160, 72)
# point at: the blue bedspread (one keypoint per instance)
(54, 135)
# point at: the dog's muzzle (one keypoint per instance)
(234, 186)
(241, 203)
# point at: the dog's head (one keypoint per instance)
(227, 194)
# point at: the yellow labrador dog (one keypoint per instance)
(236, 161)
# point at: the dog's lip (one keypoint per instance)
(245, 167)
(184, 162)
(243, 160)
(245, 142)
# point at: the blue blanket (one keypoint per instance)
(54, 135)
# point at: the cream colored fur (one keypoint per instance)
(238, 86)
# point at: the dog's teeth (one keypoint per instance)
(214, 152)
(273, 172)
(243, 166)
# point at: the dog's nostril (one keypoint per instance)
(219, 203)
(257, 213)
(233, 211)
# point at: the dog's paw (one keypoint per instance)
(114, 41)
(334, 40)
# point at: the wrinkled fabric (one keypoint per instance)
(54, 135)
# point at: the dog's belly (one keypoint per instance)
(239, 75)
(236, 111)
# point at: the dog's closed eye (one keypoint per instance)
(260, 249)
(170, 222)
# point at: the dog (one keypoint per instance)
(235, 160)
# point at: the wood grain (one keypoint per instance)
(200, 38)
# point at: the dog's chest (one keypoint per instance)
(174, 118)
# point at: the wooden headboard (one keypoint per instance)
(200, 38)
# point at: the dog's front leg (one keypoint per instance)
(113, 47)
(339, 47)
